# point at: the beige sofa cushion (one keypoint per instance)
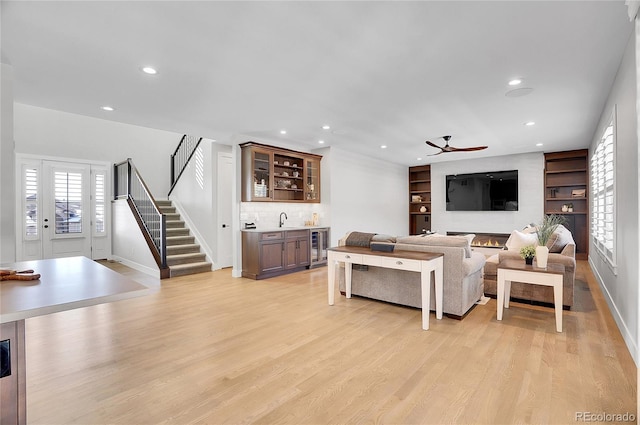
(438, 240)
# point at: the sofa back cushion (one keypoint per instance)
(439, 240)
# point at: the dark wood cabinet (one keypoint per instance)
(269, 254)
(566, 193)
(279, 175)
(419, 199)
(297, 253)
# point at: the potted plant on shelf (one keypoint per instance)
(528, 252)
(544, 231)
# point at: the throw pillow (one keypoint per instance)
(518, 239)
(383, 238)
(470, 237)
(559, 239)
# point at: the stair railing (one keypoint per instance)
(181, 157)
(129, 185)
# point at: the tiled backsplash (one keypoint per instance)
(266, 215)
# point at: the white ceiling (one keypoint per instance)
(380, 73)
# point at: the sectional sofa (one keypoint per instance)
(462, 274)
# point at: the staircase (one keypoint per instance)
(183, 254)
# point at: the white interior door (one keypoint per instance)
(225, 233)
(66, 209)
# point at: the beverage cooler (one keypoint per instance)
(319, 246)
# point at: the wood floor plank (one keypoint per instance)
(213, 349)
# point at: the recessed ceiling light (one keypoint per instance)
(107, 108)
(149, 70)
(515, 82)
(419, 159)
(383, 146)
(283, 131)
(321, 141)
(326, 127)
(530, 123)
(539, 144)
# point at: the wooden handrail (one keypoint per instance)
(183, 155)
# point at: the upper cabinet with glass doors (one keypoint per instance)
(279, 175)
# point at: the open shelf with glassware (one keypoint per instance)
(279, 175)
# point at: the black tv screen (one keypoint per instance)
(489, 191)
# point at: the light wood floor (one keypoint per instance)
(212, 349)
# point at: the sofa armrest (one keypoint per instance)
(343, 240)
(569, 250)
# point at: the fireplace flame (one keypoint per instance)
(488, 243)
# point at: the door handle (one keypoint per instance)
(224, 226)
(46, 226)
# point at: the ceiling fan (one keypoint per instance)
(447, 148)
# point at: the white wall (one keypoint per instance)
(7, 164)
(129, 246)
(620, 287)
(530, 195)
(47, 132)
(366, 194)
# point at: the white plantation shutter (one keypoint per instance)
(30, 194)
(603, 194)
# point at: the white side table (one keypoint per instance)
(513, 270)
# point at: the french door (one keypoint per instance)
(63, 210)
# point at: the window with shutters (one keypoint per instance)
(603, 194)
(68, 194)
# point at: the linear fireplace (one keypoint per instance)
(485, 240)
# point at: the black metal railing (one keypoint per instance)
(181, 157)
(129, 185)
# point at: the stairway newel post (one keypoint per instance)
(128, 177)
(163, 239)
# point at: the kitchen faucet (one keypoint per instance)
(285, 218)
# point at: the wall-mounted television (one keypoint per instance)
(488, 191)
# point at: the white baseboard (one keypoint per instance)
(144, 269)
(627, 335)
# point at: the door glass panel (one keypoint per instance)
(68, 199)
(31, 202)
(99, 196)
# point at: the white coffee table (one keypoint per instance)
(514, 270)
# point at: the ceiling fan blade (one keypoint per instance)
(434, 154)
(476, 148)
(432, 144)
